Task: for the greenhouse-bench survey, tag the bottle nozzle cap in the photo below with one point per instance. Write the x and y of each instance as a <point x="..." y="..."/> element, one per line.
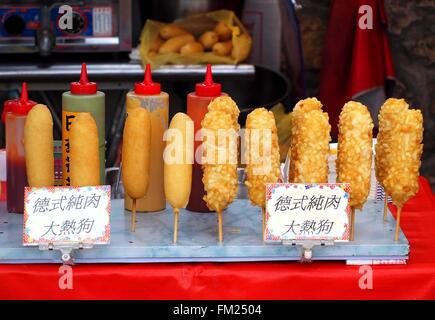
<point x="208" y="88"/>
<point x="83" y="86"/>
<point x="147" y="86"/>
<point x="20" y="106"/>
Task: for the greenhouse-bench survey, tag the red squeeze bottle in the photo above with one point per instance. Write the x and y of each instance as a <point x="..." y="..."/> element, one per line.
<point x="14" y="115"/>
<point x="197" y="103"/>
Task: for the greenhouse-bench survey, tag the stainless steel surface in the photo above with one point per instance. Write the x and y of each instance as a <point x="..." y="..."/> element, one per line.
<point x="57" y="76"/>
<point x="198" y="241"/>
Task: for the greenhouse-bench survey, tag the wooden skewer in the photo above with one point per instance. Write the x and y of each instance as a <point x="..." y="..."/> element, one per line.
<point x="399" y="211"/>
<point x="133" y="217"/>
<point x="352" y="224"/>
<point x="263" y="211"/>
<point x="176" y="213"/>
<point x="385" y="206"/>
<point x="221" y="237"/>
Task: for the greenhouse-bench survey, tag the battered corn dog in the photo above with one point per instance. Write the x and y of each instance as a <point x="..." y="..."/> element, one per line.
<point x="310" y="137"/>
<point x="263" y="165"/>
<point x="135" y="153"/>
<point x="388" y="116"/>
<point x="178" y="175"/>
<point x="262" y="156"/>
<point x="405" y="151"/>
<point x="354" y="157"/>
<point x="85" y="162"/>
<point x="220" y="179"/>
<point x="136" y="156"/>
<point x="38" y="146"/>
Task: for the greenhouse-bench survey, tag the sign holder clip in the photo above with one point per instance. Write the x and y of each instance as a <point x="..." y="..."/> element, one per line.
<point x="307" y="247"/>
<point x="66" y="249"/>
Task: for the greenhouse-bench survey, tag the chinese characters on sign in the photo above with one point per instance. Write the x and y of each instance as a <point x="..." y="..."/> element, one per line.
<point x="61" y="214"/>
<point x="307" y="211"/>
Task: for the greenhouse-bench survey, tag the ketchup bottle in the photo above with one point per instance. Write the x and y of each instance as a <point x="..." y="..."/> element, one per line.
<point x="197" y="103"/>
<point x="14" y="115"/>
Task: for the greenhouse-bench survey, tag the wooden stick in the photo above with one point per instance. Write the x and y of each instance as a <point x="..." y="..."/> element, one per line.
<point x="221" y="237"/>
<point x="352" y="224"/>
<point x="385" y="206"/>
<point x="399" y="211"/>
<point x="263" y="211"/>
<point x="176" y="212"/>
<point x="133" y="217"/>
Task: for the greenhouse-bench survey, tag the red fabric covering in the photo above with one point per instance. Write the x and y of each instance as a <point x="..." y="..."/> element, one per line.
<point x="274" y="280"/>
<point x="355" y="60"/>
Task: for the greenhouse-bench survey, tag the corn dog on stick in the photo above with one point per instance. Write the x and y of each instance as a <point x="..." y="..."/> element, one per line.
<point x="354" y="156"/>
<point x="406" y="148"/>
<point x="390" y="110"/>
<point x="262" y="156"/>
<point x="178" y="170"/>
<point x="38" y="146"/>
<point x="310" y="137"/>
<point x="136" y="156"/>
<point x="85" y="160"/>
<point x="220" y="150"/>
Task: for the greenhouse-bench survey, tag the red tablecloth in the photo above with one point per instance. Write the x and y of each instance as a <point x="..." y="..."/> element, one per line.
<point x="274" y="280"/>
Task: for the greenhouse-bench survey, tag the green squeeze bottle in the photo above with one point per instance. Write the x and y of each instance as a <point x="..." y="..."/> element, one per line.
<point x="82" y="97"/>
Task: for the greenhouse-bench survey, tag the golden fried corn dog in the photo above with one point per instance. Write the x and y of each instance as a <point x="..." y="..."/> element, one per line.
<point x="354" y="156"/>
<point x="220" y="177"/>
<point x="136" y="156"/>
<point x="85" y="162"/>
<point x="38" y="146"/>
<point x="178" y="171"/>
<point x="406" y="147"/>
<point x="262" y="156"/>
<point x="310" y="137"/>
<point x="388" y="117"/>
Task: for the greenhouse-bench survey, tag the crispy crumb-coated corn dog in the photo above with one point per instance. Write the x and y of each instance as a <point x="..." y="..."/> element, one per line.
<point x="354" y="156"/>
<point x="310" y="137"/>
<point x="136" y="153"/>
<point x="38" y="146"/>
<point x="262" y="154"/>
<point x="389" y="115"/>
<point x="85" y="161"/>
<point x="405" y="150"/>
<point x="178" y="172"/>
<point x="220" y="179"/>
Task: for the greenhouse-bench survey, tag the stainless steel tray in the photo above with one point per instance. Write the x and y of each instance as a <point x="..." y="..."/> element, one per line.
<point x="198" y="242"/>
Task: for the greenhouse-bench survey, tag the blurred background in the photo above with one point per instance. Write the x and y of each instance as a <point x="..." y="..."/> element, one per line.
<point x="299" y="48"/>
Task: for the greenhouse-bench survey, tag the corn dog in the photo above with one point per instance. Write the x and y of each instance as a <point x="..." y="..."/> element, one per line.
<point x="310" y="137"/>
<point x="38" y="146"/>
<point x="405" y="150"/>
<point x="220" y="177"/>
<point x="178" y="173"/>
<point x="222" y="48"/>
<point x="85" y="162"/>
<point x="354" y="157"/>
<point x="262" y="154"/>
<point x="170" y="31"/>
<point x="135" y="153"/>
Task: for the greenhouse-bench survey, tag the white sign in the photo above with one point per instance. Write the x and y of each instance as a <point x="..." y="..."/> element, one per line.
<point x="66" y="214"/>
<point x="307" y="212"/>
